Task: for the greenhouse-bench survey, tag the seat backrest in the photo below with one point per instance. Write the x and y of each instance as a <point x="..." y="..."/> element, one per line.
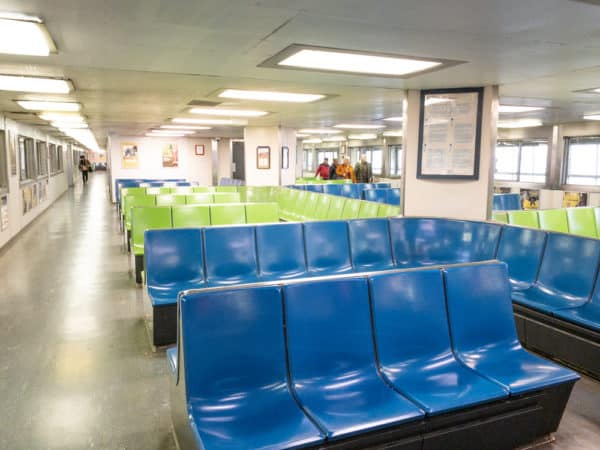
<point x="202" y="189"/>
<point x="310" y="205"/>
<point x="597" y="217"/>
<point x="351" y="190"/>
<point x="393" y="196"/>
<point x="232" y="341"/>
<point x="315" y="188"/>
<point x="388" y="211"/>
<point x="428" y="241"/>
<point x="226" y="197"/>
<point x="227" y="214"/>
<point x="158" y="191"/>
<point x="199" y="198"/>
<point x="370" y="244"/>
<point x="147" y="218"/>
<point x="351" y="209"/>
<point x="182" y="190"/>
<point x="170" y="200"/>
<point x="328" y="329"/>
<point x="173" y="256"/>
<point x="524" y="218"/>
<point x="131" y="202"/>
<point x="322" y="209"/>
<point x="280" y="250"/>
<point x="553" y="220"/>
<point x="191" y="216"/>
<point x="522" y="250"/>
<point x="326" y="247"/>
<point x="369" y="195"/>
<point x="336" y="207"/>
<point x="500" y="216"/>
<point x="569" y="265"/>
<point x="332" y="189"/>
<point x="230" y="255"/>
<point x="368" y="209"/>
<point x="479" y="307"/>
<point x="299" y="202"/>
<point x="379" y="195"/>
<point x="581" y="221"/>
<point x="131" y="192"/>
<point x="409" y="317"/>
<point x="226" y="189"/>
<point x="262" y="212"/>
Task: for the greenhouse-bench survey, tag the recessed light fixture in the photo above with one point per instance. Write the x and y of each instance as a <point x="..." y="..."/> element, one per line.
<point x="309" y="57"/>
<point x="517" y="109"/>
<point x="84" y="137"/>
<point x="69" y="125"/>
<point x="270" y="96"/>
<point x="62" y="117"/>
<point x="165" y="135"/>
<point x="171" y="132"/>
<point x="40" y="85"/>
<point x="319" y="131"/>
<point x="523" y="123"/>
<point x="228" y="112"/>
<point x="42" y="105"/>
<point x="24" y="35"/>
<point x="359" y="126"/>
<point x="394" y="119"/>
<point x="362" y="136"/>
<point x="312" y="141"/>
<point x="302" y="135"/>
<point x="208" y="121"/>
<point x="184" y="127"/>
<point x="393" y="133"/>
<point x="592" y="117"/>
<point x="334" y="139"/>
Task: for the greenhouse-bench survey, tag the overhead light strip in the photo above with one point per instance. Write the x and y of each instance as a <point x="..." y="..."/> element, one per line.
<point x="228" y="112"/>
<point x="270" y="96"/>
<point x="43" y="105"/>
<point x="40" y="85"/>
<point x="24" y="35"/>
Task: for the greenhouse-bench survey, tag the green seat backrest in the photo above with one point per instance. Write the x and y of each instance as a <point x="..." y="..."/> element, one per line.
<point x="597" y="217"/>
<point x="255" y="194"/>
<point x="226" y="197"/>
<point x="309" y="207"/>
<point x="199" y="199"/>
<point x="226" y="189"/>
<point x="368" y="210"/>
<point x="262" y="212"/>
<point x="132" y="192"/>
<point x="201" y="189"/>
<point x="553" y="220"/>
<point x="182" y="190"/>
<point x="299" y="202"/>
<point x="132" y="201"/>
<point x="500" y="216"/>
<point x="336" y="207"/>
<point x="170" y="200"/>
<point x="351" y="209"/>
<point x="287" y="199"/>
<point x="147" y="218"/>
<point x="227" y="214"/>
<point x="339" y="181"/>
<point x="322" y="208"/>
<point x="191" y="216"/>
<point x="158" y="190"/>
<point x="526" y="218"/>
<point x="582" y="221"/>
<point x="393" y="211"/>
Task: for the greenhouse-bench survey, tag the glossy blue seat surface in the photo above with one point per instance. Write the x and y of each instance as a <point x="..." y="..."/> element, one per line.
<point x="314" y="188"/>
<point x="506" y="202"/>
<point x="173" y="263"/>
<point x="567" y="274"/>
<point x="378" y="195"/>
<point x="332" y="189"/>
<point x="172" y="359"/>
<point x="420" y="242"/>
<point x="393" y="196"/>
<point x="327" y="248"/>
<point x="413" y="343"/>
<point x="332" y="360"/>
<point x="483" y="330"/>
<point x="280" y="251"/>
<point x="588" y="315"/>
<point x="230" y="254"/>
<point x="370" y="244"/>
<point x="522" y="250"/>
<point x="235" y="372"/>
<point x="350" y="190"/>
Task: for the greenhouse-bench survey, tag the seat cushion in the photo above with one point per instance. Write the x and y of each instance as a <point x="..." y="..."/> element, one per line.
<point x="543" y="300"/>
<point x="166" y="294"/>
<point x="587" y="315"/>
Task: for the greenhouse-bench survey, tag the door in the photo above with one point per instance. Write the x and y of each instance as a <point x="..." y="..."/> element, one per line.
<point x="239" y="172"/>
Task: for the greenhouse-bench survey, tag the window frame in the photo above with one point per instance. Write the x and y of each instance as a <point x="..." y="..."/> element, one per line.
<point x="565" y="165"/>
<point x="398" y="150"/>
<point x="4" y="164"/>
<point x="520" y="143"/>
<point x="28" y="171"/>
<point x="41" y="154"/>
<point x="357" y="151"/>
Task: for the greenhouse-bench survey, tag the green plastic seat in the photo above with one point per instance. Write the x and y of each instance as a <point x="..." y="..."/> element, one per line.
<point x="287" y="200"/>
<point x="226" y="189"/>
<point x="336" y="207"/>
<point x="308" y="208"/>
<point x="386" y="210"/>
<point x="582" y="221"/>
<point x="199" y="199"/>
<point x="500" y="216"/>
<point x="553" y="220"/>
<point x="182" y="190"/>
<point x="226" y="197"/>
<point x="147" y="218"/>
<point x="597" y="217"/>
<point x="133" y="192"/>
<point x="526" y="218"/>
<point x="158" y="190"/>
<point x="170" y="200"/>
<point x="262" y="212"/>
<point x="322" y="209"/>
<point x="132" y="201"/>
<point x="351" y="209"/>
<point x="227" y="214"/>
<point x="298" y="205"/>
<point x="255" y="194"/>
<point x="191" y="216"/>
<point x="368" y="210"/>
<point x="201" y="189"/>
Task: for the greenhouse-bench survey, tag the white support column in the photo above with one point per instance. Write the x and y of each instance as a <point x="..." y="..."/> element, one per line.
<point x="275" y="138"/>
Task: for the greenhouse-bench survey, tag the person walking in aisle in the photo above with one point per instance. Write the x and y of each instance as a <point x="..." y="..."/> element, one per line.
<point x="363" y="171"/>
<point x="84" y="167"/>
<point x="323" y="170"/>
<point x="333" y="170"/>
<point x="345" y="170"/>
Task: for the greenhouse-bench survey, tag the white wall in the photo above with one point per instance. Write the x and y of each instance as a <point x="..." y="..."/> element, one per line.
<point x="225" y="158"/>
<point x="275" y="138"/>
<point x="191" y="167"/>
<point x="288" y="139"/>
<point x="57" y="184"/>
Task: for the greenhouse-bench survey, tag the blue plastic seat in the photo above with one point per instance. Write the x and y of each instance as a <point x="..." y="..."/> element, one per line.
<point x="370" y="245"/>
<point x="393" y="196"/>
<point x="484" y="334"/>
<point x="173" y="263"/>
<point x="230" y="254"/>
<point x="235" y="372"/>
<point x="588" y="315"/>
<point x="332" y="362"/>
<point x="327" y="249"/>
<point x="315" y="188"/>
<point x="375" y="195"/>
<point x="172" y="359"/>
<point x="382" y="185"/>
<point x="522" y="250"/>
<point x="350" y="190"/>
<point x="280" y="251"/>
<point x="332" y="189"/>
<point x="420" y="242"/>
<point x="506" y="202"/>
<point x="413" y="343"/>
<point x="567" y="274"/>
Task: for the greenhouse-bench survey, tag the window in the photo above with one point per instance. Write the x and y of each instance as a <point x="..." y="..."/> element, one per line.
<point x="583" y="161"/>
<point x="27" y="158"/>
<point x="374" y="157"/>
<point x="521" y="161"/>
<point x="328" y="153"/>
<point x="396" y="160"/>
<point x="59" y="158"/>
<point x="308" y="159"/>
<point x="56" y="158"/>
<point x="42" y="158"/>
<point x="3" y="162"/>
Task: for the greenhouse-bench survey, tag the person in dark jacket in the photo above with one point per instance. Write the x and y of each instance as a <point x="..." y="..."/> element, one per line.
<point x="323" y="170"/>
<point x="363" y="171"/>
<point x="333" y="169"/>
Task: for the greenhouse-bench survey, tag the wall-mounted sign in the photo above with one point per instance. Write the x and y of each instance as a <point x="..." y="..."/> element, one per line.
<point x="285" y="157"/>
<point x="450" y="133"/>
<point x="574" y="199"/>
<point x="199" y="150"/>
<point x="170" y="156"/>
<point x="129" y="156"/>
<point x="263" y="157"/>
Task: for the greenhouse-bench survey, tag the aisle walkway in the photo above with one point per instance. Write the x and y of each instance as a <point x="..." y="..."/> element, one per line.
<point x="76" y="368"/>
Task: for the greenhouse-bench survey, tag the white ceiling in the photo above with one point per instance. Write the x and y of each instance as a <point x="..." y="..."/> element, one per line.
<point x="136" y="63"/>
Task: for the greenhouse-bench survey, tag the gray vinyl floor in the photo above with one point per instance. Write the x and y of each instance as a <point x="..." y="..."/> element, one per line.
<point x="76" y="367"/>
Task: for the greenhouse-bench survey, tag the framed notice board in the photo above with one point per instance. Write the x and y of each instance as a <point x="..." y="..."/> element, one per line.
<point x="450" y="134"/>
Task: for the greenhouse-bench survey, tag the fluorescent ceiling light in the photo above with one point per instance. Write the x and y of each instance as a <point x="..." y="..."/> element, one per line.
<point x="70" y="125"/>
<point x="359" y="126"/>
<point x="302" y="135"/>
<point x="517" y="109"/>
<point x="356" y="62"/>
<point x="319" y="131"/>
<point x="208" y="121"/>
<point x="312" y="141"/>
<point x="171" y="132"/>
<point x="41" y="105"/>
<point x="84" y="137"/>
<point x="228" y="112"/>
<point x="270" y="96"/>
<point x="184" y="127"/>
<point x="39" y="85"/>
<point x="165" y="135"/>
<point x="362" y="136"/>
<point x="393" y="133"/>
<point x="592" y="117"/>
<point x="24" y="35"/>
<point x="394" y="119"/>
<point x="335" y="139"/>
<point x="62" y="117"/>
<point x="524" y="123"/>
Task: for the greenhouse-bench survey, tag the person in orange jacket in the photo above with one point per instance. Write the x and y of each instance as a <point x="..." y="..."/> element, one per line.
<point x="345" y="171"/>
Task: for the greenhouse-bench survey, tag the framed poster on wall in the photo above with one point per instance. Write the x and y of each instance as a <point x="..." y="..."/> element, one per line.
<point x="199" y="150"/>
<point x="450" y="133"/>
<point x="263" y="157"/>
<point x="285" y="157"/>
<point x="129" y="155"/>
<point x="170" y="156"/>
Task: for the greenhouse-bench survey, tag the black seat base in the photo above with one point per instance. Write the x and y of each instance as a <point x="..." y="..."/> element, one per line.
<point x="562" y="341"/>
<point x="164" y="325"/>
